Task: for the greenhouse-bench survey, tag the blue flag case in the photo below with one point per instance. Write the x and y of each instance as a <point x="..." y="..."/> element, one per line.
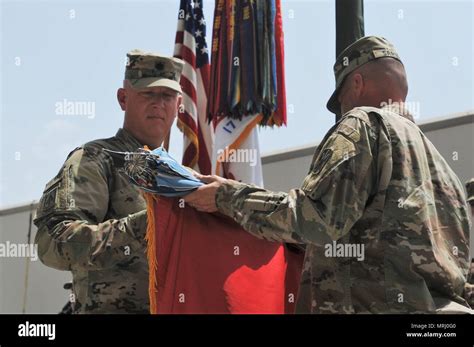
<point x="157" y="172"/>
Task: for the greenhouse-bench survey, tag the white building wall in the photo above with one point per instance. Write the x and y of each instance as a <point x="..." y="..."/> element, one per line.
<point x="43" y="290"/>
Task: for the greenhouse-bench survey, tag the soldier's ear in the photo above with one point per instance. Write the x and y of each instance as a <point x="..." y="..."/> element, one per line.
<point x="179" y="103"/>
<point x="358" y="84"/>
<point x="122" y="98"/>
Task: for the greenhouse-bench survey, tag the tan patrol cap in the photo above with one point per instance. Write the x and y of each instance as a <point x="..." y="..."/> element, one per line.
<point x="362" y="51"/>
<point x="146" y="70"/>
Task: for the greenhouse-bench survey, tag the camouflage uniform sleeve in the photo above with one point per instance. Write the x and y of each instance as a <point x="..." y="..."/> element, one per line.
<point x="331" y="199"/>
<point x="72" y="232"/>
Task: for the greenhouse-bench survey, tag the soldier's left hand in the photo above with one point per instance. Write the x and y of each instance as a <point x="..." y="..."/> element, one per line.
<point x="204" y="198"/>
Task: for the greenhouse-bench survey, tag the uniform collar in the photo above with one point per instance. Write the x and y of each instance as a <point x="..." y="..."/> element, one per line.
<point x="131" y="143"/>
<point x="400" y="109"/>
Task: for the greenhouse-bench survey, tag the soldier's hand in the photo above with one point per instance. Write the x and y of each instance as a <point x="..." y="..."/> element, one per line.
<point x="204" y="198"/>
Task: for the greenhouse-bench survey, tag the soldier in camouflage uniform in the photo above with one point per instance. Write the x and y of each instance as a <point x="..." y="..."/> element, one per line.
<point x="376" y="184"/>
<point x="470" y="200"/>
<point x="91" y="220"/>
<point x="470" y="194"/>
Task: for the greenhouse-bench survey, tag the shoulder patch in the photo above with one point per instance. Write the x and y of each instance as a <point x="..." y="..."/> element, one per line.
<point x="51" y="198"/>
<point x="346" y="129"/>
<point x="349" y="130"/>
<point x="361" y="113"/>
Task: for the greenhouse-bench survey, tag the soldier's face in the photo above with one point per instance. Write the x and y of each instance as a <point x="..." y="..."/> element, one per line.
<point x="149" y="112"/>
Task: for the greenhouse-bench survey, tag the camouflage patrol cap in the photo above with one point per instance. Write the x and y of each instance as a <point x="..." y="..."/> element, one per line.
<point x="470" y="190"/>
<point x="360" y="52"/>
<point x="146" y="69"/>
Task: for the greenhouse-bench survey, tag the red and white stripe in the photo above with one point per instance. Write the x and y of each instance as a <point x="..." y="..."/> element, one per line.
<point x="198" y="134"/>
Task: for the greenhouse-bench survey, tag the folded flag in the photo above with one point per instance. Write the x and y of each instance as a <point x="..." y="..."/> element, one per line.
<point x="201" y="262"/>
<point x="157" y="172"/>
<point x="207" y="263"/>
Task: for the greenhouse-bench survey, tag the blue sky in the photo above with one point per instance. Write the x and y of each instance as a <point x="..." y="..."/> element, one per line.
<point x="75" y="50"/>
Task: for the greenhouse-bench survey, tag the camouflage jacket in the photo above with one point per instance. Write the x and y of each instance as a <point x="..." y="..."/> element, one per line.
<point x="92" y="222"/>
<point x="383" y="217"/>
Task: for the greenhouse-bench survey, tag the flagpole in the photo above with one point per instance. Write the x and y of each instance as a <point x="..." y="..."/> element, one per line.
<point x="349" y="23"/>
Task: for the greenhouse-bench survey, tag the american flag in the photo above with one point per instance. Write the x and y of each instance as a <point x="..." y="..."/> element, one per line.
<point x="191" y="46"/>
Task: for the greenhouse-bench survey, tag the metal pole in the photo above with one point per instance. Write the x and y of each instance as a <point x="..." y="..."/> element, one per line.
<point x="349" y="24"/>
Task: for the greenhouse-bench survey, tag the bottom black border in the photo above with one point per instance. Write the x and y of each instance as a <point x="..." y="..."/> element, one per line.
<point x="322" y="330"/>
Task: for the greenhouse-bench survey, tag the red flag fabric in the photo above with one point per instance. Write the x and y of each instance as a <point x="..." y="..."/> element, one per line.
<point x="279" y="117"/>
<point x="206" y="263"/>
